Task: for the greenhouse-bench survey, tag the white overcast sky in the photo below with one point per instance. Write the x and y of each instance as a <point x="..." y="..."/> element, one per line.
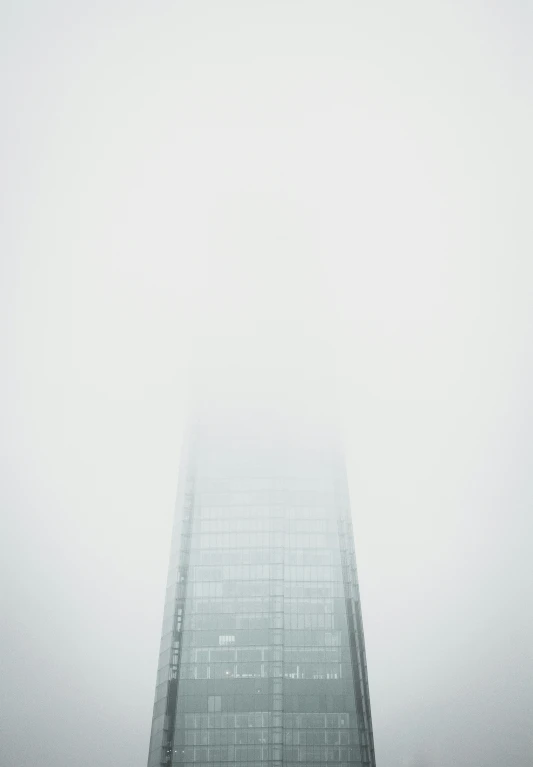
<point x="177" y="174"/>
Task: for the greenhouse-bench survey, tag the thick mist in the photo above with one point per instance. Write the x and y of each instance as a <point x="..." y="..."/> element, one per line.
<point x="210" y="196"/>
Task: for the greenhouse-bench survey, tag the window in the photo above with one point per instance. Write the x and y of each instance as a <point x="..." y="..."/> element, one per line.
<point x="214" y="703"/>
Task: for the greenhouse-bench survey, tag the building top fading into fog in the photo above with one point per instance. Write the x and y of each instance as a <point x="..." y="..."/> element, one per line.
<point x="262" y="653"/>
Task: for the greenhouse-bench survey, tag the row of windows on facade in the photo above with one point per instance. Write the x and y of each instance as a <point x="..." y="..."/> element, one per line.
<point x="252" y="702"/>
<point x="266" y="654"/>
<point x="288" y="605"/>
<point x="294" y="652"/>
<point x="237" y="540"/>
<point x="264" y="671"/>
<point x="259" y="524"/>
<point x="338" y="720"/>
<point x="205" y="622"/>
<point x="288" y="589"/>
<point x="255" y="736"/>
<point x="280" y="661"/>
<point x="253" y="511"/>
<point x="249" y="589"/>
<point x="246" y="637"/>
<point x="197" y="704"/>
<point x="177" y="762"/>
<point x="265" y="556"/>
<point x="298" y="754"/>
<point x="276" y="633"/>
<point x="244" y="592"/>
<point x="269" y="686"/>
<point x="258" y="572"/>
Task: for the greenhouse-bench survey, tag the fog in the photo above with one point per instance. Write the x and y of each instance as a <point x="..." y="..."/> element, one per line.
<point x="187" y="185"/>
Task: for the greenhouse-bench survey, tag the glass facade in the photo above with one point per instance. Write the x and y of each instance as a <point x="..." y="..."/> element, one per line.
<point x="262" y="657"/>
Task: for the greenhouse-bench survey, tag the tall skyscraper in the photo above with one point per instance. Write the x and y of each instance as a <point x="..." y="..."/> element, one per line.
<point x="262" y="657"/>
